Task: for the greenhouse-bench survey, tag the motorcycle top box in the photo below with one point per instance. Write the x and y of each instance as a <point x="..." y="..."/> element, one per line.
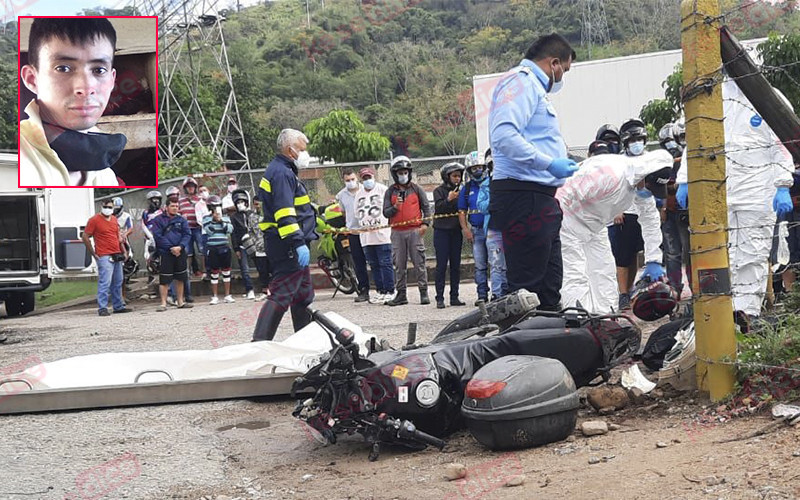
<point x="520" y="402"/>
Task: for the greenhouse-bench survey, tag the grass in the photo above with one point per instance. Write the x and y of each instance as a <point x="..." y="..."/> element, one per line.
<point x="62" y="291"/>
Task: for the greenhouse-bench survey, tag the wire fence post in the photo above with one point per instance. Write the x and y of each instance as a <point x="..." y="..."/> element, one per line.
<point x="708" y="217"/>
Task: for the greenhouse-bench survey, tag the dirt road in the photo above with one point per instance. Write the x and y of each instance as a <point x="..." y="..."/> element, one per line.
<point x="256" y="450"/>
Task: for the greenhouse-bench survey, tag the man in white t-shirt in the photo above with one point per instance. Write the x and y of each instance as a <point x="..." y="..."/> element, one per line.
<point x="375" y="235"/>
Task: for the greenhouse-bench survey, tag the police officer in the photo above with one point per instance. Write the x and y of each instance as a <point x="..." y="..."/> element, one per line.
<point x="530" y="163"/>
<point x="288" y="224"/>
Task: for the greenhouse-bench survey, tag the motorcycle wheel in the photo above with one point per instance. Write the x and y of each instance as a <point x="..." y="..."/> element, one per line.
<point x="348" y="283"/>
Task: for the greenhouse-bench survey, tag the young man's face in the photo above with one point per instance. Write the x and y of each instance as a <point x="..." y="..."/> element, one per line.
<point x="73" y="83"/>
<point x="350" y="178"/>
<point x="173" y="208"/>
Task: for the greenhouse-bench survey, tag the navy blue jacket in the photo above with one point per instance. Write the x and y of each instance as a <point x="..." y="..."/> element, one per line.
<point x="287" y="208"/>
<point x="170" y="232"/>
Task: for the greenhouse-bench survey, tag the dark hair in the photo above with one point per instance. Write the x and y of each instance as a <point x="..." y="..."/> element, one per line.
<point x="348" y="171"/>
<point x="552" y="45"/>
<point x="170" y="201"/>
<point x="76" y="30"/>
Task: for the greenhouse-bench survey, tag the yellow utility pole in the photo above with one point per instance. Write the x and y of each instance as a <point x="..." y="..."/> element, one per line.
<point x="715" y="340"/>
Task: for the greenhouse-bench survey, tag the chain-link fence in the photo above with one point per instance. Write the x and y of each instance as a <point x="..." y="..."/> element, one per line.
<point x="322" y="182"/>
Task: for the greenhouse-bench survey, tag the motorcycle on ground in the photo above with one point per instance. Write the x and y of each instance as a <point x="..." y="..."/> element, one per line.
<point x="413" y="397"/>
<point x="335" y="259"/>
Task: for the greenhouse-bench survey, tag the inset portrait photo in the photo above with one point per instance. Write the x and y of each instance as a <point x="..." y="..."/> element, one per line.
<point x="88" y="91"/>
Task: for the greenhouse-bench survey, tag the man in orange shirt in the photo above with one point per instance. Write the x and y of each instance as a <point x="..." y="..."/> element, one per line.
<point x="107" y="252"/>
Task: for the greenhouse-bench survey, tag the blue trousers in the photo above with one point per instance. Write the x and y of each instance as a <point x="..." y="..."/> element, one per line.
<point x="360" y="261"/>
<point x="109" y="280"/>
<point x="380" y="260"/>
<point x="481" y="255"/>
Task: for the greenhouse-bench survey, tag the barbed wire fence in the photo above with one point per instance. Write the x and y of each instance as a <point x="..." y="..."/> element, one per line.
<point x="705" y="84"/>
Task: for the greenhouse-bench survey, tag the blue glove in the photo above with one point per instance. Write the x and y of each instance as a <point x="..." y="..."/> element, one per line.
<point x="303" y="255"/>
<point x="653" y="270"/>
<point x="782" y="203"/>
<point x="682" y="196"/>
<point x="562" y="168"/>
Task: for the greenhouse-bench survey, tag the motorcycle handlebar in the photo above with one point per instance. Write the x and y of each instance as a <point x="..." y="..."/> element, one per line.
<point x="423" y="437"/>
<point x="344" y="336"/>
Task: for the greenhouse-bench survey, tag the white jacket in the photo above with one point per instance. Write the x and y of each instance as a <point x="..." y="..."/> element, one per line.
<point x="604" y="187"/>
<point x="39" y="165"/>
<point x="757" y="163"/>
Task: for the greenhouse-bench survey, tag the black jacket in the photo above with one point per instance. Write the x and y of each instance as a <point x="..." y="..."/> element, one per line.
<point x="444" y="207"/>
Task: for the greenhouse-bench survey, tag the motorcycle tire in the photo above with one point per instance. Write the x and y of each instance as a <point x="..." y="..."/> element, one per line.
<point x="348" y="283"/>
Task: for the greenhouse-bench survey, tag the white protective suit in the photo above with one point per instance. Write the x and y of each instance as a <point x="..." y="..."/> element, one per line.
<point x="603" y="187"/>
<point x="757" y="164"/>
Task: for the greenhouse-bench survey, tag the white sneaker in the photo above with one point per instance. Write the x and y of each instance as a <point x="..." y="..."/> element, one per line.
<point x="389" y="296"/>
<point x="261" y="297"/>
<point x="229" y="299"/>
<point x="171" y="302"/>
<point x="214" y="300"/>
<point x="251" y="295"/>
<point x="376" y="298"/>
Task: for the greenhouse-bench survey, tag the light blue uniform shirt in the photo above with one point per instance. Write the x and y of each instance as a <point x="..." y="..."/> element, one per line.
<point x="523" y="128"/>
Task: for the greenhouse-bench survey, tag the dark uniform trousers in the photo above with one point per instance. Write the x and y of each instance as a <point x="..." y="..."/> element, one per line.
<point x="529" y="216"/>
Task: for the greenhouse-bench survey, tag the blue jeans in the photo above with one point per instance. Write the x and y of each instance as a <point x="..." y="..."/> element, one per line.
<point x="481" y="256"/>
<point x="360" y="263"/>
<point x="497" y="262"/>
<point x="187" y="289"/>
<point x="245" y="268"/>
<point x="109" y="278"/>
<point x="380" y="261"/>
<point x="196" y="238"/>
<point x="676" y="247"/>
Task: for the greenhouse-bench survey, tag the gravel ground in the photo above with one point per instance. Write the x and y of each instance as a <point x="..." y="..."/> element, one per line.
<point x="254" y="449"/>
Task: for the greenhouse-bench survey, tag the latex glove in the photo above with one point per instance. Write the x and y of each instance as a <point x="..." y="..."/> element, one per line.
<point x="653" y="270"/>
<point x="303" y="255"/>
<point x="782" y="203"/>
<point x="561" y="168"/>
<point x="682" y="196"/>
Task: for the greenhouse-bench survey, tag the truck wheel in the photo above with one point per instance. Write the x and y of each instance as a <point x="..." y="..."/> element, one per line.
<point x="19" y="303"/>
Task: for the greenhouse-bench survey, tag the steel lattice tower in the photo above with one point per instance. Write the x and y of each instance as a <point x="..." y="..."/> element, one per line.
<point x="190" y="39"/>
<point x="594" y="27"/>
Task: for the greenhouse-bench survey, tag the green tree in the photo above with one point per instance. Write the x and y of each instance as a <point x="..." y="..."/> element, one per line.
<point x="198" y="160"/>
<point x="777" y="52"/>
<point x="8" y="93"/>
<point x="658" y="112"/>
<point x="342" y="136"/>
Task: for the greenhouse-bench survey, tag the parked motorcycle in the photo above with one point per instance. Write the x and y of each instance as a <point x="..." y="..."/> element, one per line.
<point x="413" y="397"/>
<point x="334" y="246"/>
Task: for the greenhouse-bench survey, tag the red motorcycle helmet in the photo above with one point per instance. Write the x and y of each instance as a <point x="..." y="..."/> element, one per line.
<point x="652" y="300"/>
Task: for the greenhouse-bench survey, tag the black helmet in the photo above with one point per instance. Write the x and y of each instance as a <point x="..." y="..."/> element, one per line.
<point x="632" y="129"/>
<point x="598" y="148"/>
<point x="240" y="195"/>
<point x="449" y="168"/>
<point x="399" y="163"/>
<point x="130" y="267"/>
<point x="608" y="133"/>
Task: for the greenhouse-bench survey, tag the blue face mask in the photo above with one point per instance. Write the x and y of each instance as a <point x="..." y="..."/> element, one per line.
<point x="369" y="184"/>
<point x="636" y="148"/>
<point x="643" y="193"/>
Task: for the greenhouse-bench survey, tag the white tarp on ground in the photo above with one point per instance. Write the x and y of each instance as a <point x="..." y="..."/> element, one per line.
<point x="296" y="354"/>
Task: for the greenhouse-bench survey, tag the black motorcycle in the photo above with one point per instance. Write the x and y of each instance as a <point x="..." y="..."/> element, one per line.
<point x="412" y="397"/>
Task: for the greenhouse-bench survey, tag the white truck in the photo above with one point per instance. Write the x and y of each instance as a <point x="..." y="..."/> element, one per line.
<point x="40" y="231"/>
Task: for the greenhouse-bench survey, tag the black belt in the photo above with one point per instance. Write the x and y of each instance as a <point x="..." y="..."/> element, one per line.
<point x="517" y="185"/>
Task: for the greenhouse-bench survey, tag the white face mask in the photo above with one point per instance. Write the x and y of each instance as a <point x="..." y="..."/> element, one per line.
<point x="303" y="159"/>
<point x="232" y="188"/>
<point x="241" y="207"/>
<point x="402" y="179"/>
<point x="557" y="85"/>
<point x="351" y="185"/>
<point x="204" y="195"/>
<point x="106" y="211"/>
<point x="369" y="184"/>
